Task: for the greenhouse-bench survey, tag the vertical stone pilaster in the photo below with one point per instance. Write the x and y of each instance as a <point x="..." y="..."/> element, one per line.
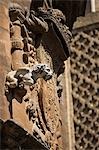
<point x="66" y="107"/>
<point x="17" y="46"/>
<point x="4" y="55"/>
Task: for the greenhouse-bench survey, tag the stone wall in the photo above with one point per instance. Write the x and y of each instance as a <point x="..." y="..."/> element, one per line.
<point x="34" y="80"/>
<point x="23" y="3"/>
<point x="5" y="59"/>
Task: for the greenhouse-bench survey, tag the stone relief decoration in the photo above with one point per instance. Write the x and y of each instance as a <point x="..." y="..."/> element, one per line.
<point x="28" y="76"/>
<point x="57" y="20"/>
<point x="33" y="78"/>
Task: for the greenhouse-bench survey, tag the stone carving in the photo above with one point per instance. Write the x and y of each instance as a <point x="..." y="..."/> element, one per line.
<point x="24" y="78"/>
<point x="26" y="31"/>
<point x="59" y="86"/>
<point x="28" y="76"/>
<point x="34" y="24"/>
<point x="57" y="20"/>
<point x="24" y="82"/>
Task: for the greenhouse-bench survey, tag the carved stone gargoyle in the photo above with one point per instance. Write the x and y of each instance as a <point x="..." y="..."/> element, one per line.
<point x="27" y="76"/>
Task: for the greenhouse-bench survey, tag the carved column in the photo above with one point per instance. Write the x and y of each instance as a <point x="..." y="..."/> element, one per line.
<point x="4" y="56"/>
<point x="17" y="46"/>
<point x="67" y="110"/>
<point x="16" y="105"/>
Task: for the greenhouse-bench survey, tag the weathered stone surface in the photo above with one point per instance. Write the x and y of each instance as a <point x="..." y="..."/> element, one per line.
<point x="91" y="19"/>
<point x="23" y="3"/>
<point x="5" y="59"/>
<point x="17" y="46"/>
<point x="35" y="106"/>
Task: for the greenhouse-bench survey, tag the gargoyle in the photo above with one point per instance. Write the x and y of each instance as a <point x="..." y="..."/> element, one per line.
<point x="57" y="20"/>
<point x="28" y="76"/>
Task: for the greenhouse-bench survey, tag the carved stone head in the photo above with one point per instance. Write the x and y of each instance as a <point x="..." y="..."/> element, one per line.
<point x="42" y="71"/>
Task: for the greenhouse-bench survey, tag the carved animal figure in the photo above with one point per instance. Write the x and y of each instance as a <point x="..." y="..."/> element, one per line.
<point x="57" y="19"/>
<point x="28" y="76"/>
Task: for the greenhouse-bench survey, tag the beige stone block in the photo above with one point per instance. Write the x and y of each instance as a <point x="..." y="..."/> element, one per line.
<point x="4" y="112"/>
<point x="4" y="68"/>
<point x="4" y="2"/>
<point x="5" y="54"/>
<point x="19" y="115"/>
<point x="4" y="21"/>
<point x="17" y="59"/>
<point x="4" y="37"/>
<point x="3" y="8"/>
<point x="23" y="3"/>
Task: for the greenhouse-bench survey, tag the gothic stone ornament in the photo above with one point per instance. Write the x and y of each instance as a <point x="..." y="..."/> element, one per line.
<point x="23" y="78"/>
<point x="57" y="20"/>
<point x="33" y="23"/>
<point x="28" y="76"/>
<point x="26" y="31"/>
<point x="40" y="96"/>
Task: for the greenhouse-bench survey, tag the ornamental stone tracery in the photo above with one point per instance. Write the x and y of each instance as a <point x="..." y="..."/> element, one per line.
<point x="85" y="88"/>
